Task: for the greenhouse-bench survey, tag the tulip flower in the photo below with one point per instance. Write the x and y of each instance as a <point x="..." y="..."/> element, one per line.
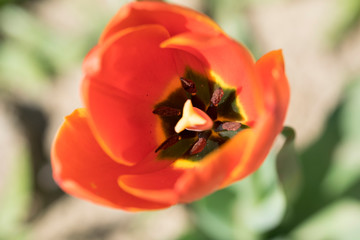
<point x="174" y="109"/>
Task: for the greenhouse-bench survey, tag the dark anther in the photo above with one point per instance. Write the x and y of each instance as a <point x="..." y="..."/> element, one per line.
<point x="198" y="146"/>
<point x="227" y="126"/>
<point x="167" y="111"/>
<point x="188" y="85"/>
<point x="214" y="102"/>
<point x="168" y="142"/>
<point x="216" y="96"/>
<point x="200" y="143"/>
<point x="231" y="126"/>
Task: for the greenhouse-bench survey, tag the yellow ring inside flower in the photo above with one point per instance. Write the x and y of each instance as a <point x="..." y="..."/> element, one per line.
<point x="218" y="79"/>
<point x="174" y="145"/>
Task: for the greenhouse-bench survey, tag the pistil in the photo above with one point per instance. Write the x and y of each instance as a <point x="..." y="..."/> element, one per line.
<point x="193" y="119"/>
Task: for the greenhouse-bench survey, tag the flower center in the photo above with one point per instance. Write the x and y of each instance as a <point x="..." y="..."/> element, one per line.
<point x="193" y="119"/>
<point x="197" y="118"/>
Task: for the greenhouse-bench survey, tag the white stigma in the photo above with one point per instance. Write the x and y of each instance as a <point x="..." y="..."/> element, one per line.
<point x="193" y="119"/>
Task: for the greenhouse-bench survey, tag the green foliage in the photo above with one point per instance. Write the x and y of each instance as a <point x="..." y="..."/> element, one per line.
<point x="6" y="2"/>
<point x="33" y="54"/>
<point x="230" y="15"/>
<point x="345" y="170"/>
<point x="348" y="19"/>
<point x="287" y="165"/>
<point x="339" y="221"/>
<point x="214" y="216"/>
<point x="329" y="176"/>
<point x="15" y="200"/>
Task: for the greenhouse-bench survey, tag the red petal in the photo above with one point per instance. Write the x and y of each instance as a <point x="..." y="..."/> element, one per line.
<point x="134" y="74"/>
<point x="257" y="148"/>
<point x="276" y="94"/>
<point x="227" y="61"/>
<point x="156" y="186"/>
<point x="82" y="168"/>
<point x="244" y="153"/>
<point x="212" y="171"/>
<point x="271" y="70"/>
<point x="174" y="18"/>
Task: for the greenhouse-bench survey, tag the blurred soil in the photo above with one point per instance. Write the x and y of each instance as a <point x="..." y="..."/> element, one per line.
<point x="316" y="72"/>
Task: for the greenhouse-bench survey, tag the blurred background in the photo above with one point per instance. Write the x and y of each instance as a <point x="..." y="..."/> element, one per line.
<point x="313" y="193"/>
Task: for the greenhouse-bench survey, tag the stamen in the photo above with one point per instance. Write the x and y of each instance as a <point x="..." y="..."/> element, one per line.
<point x="217" y="96"/>
<point x="200" y="143"/>
<point x="198" y="146"/>
<point x="231" y="126"/>
<point x="227" y="126"/>
<point x="193" y="119"/>
<point x="196" y="130"/>
<point x="214" y="102"/>
<point x="167" y="111"/>
<point x="169" y="142"/>
<point x="188" y="85"/>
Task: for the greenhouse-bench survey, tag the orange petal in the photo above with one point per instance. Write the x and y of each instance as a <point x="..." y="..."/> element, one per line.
<point x="174" y="18"/>
<point x="245" y="152"/>
<point x="211" y="172"/>
<point x="228" y="62"/>
<point x="271" y="71"/>
<point x="82" y="168"/>
<point x="133" y="74"/>
<point x="155" y="186"/>
<point x="276" y="94"/>
<point x="257" y="148"/>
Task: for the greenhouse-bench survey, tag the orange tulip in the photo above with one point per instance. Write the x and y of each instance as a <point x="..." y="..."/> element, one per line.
<point x="174" y="110"/>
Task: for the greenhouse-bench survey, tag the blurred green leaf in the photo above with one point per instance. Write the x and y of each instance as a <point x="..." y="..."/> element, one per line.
<point x="214" y="214"/>
<point x="315" y="162"/>
<point x="231" y="16"/>
<point x="339" y="221"/>
<point x="193" y="234"/>
<point x="346" y="20"/>
<point x="287" y="165"/>
<point x="32" y="53"/>
<point x="346" y="168"/>
<point x="350" y="115"/>
<point x="245" y="209"/>
<point x="19" y="70"/>
<point x="331" y="173"/>
<point x="260" y="203"/>
<point x="5" y="2"/>
<point x="28" y="34"/>
<point x="15" y="200"/>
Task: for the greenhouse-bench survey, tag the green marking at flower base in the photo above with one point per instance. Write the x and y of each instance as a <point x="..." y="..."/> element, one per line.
<point x="226" y="110"/>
